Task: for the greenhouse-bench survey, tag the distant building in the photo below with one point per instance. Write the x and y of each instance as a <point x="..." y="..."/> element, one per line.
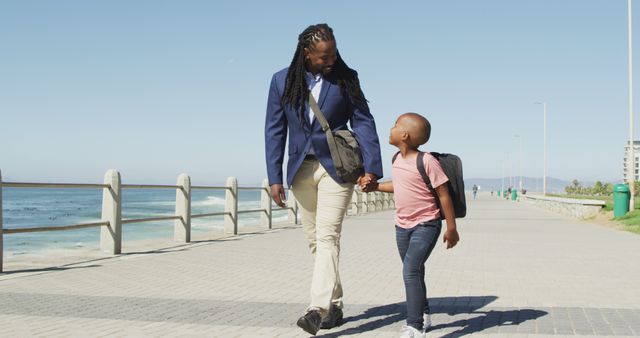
<point x="636" y="153"/>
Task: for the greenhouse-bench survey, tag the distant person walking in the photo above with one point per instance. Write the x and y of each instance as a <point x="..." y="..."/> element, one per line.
<point x="475" y="191"/>
<point x="318" y="69"/>
<point x="418" y="223"/>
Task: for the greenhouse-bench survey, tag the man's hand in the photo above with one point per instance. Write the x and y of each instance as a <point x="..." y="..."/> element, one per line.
<point x="368" y="182"/>
<point x="451" y="237"/>
<point x="363" y="182"/>
<point x="278" y="195"/>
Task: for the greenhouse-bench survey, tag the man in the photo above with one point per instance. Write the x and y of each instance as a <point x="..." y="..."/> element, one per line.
<point x="317" y="68"/>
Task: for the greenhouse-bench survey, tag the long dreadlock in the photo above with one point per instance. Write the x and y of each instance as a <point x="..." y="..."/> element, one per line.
<point x="296" y="89"/>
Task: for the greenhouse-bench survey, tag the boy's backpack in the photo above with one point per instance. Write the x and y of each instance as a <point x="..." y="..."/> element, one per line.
<point x="452" y="167"/>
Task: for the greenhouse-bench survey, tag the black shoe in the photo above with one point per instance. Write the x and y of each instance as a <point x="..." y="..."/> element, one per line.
<point x="310" y="322"/>
<point x="333" y="319"/>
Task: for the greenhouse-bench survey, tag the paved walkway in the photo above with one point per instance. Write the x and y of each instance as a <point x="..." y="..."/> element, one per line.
<point x="518" y="271"/>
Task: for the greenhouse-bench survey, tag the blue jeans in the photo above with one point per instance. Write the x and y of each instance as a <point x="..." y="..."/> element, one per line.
<point x="415" y="246"/>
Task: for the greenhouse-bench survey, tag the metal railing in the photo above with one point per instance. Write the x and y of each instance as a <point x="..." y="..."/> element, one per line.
<point x="112" y="221"/>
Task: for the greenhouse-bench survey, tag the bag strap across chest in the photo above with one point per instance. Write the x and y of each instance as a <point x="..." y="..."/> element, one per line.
<point x="333" y="149"/>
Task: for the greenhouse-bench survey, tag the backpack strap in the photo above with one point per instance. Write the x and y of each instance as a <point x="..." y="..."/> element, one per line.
<point x="394" y="157"/>
<point x="427" y="181"/>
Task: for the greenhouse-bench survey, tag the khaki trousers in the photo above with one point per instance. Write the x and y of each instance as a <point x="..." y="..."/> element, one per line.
<point x="323" y="203"/>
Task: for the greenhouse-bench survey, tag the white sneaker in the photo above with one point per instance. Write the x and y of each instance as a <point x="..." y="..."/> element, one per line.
<point x="426" y="318"/>
<point x="410" y="332"/>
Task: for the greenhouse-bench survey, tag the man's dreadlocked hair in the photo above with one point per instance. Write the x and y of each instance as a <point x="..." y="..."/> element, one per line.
<point x="296" y="89"/>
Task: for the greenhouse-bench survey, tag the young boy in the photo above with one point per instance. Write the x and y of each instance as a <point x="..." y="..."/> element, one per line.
<point x="417" y="217"/>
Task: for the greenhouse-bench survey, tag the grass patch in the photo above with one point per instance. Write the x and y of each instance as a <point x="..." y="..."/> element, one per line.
<point x="631" y="221"/>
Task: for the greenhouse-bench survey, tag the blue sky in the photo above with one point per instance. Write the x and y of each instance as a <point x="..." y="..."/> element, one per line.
<point x="157" y="88"/>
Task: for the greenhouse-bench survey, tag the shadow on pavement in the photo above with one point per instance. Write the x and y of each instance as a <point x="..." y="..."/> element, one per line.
<point x="48" y="269"/>
<point x="488" y="319"/>
<point x="76" y="263"/>
<point x="379" y="317"/>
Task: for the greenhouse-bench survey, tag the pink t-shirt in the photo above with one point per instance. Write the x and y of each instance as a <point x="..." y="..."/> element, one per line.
<point x="414" y="201"/>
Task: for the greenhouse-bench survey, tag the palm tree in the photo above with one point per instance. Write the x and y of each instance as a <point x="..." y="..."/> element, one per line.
<point x="598" y="189"/>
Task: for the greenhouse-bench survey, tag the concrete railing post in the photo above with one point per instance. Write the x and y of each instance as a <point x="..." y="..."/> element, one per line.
<point x="364" y="203"/>
<point x="385" y="201"/>
<point x="231" y="207"/>
<point x="372" y="201"/>
<point x="354" y="203"/>
<point x="111" y="235"/>
<point x="1" y="231"/>
<point x="376" y="201"/>
<point x="292" y="203"/>
<point x="182" y="226"/>
<point x="266" y="217"/>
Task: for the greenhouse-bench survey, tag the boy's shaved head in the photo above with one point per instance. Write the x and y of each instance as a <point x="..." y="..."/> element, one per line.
<point x="417" y="126"/>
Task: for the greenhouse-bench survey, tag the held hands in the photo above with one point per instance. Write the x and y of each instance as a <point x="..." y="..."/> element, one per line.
<point x="451" y="237"/>
<point x="278" y="195"/>
<point x="368" y="182"/>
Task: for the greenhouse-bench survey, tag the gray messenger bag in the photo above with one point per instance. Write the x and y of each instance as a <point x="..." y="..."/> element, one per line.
<point x="345" y="150"/>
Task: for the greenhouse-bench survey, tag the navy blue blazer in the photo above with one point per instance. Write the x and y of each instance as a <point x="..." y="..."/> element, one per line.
<point x="338" y="109"/>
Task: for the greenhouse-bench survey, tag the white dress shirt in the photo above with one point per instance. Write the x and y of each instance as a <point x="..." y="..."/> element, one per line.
<point x="315" y="84"/>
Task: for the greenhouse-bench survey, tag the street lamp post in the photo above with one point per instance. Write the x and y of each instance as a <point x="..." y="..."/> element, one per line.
<point x="502" y="186"/>
<point x="520" y="162"/>
<point x="544" y="140"/>
<point x="631" y="162"/>
<point x="510" y="170"/>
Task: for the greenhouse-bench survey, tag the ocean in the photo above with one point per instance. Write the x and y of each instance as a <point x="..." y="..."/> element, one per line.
<point x="36" y="207"/>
